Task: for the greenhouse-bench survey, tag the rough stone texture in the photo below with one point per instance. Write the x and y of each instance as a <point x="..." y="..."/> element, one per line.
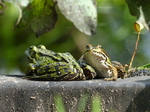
<point x="124" y="95"/>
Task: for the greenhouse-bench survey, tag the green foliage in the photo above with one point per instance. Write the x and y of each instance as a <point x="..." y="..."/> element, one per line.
<point x="82" y="103"/>
<point x="114" y="32"/>
<point x="96" y="104"/>
<point x="144" y="66"/>
<point x="59" y="104"/>
<point x="144" y="5"/>
<point x="40" y="15"/>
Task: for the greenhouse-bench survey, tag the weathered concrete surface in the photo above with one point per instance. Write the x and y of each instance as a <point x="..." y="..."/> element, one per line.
<point x="125" y="95"/>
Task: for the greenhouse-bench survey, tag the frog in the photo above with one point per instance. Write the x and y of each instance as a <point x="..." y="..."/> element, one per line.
<point x="46" y="64"/>
<point x="98" y="59"/>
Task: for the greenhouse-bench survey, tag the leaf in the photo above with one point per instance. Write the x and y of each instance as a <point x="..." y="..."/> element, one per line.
<point x="82" y="13"/>
<point x="19" y="5"/>
<point x="140" y="9"/>
<point x="40" y="15"/>
<point x="2" y="7"/>
<point x="144" y="66"/>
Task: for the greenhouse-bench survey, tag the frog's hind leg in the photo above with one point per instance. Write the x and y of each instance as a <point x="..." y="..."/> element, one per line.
<point x="73" y="77"/>
<point x="114" y="75"/>
<point x="88" y="71"/>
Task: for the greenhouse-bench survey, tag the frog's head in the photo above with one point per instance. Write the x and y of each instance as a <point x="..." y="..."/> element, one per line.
<point x="95" y="53"/>
<point x="33" y="52"/>
<point x="98" y="49"/>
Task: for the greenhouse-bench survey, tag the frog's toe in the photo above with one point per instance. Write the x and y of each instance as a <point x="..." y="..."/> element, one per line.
<point x="110" y="79"/>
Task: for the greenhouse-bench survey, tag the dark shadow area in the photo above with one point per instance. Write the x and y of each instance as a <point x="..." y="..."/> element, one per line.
<point x="141" y="102"/>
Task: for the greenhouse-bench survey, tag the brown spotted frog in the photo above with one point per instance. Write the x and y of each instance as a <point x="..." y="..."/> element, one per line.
<point x="100" y="61"/>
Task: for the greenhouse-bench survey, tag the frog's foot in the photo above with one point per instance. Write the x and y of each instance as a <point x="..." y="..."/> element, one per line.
<point x="125" y="75"/>
<point x="110" y="79"/>
<point x="72" y="77"/>
<point x="114" y="74"/>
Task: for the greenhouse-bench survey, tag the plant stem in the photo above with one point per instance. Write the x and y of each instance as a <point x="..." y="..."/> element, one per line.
<point x="135" y="49"/>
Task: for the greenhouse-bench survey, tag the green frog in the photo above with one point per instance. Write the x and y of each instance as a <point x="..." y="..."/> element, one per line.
<point x="48" y="65"/>
<point x="100" y="61"/>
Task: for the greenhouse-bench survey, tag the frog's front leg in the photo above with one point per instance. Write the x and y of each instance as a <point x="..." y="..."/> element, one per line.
<point x="87" y="69"/>
<point x="31" y="70"/>
<point x="114" y="75"/>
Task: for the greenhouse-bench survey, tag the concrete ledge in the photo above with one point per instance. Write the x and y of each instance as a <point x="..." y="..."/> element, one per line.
<point x="125" y="95"/>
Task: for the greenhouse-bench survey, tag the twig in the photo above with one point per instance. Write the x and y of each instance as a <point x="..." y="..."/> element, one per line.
<point x="135" y="49"/>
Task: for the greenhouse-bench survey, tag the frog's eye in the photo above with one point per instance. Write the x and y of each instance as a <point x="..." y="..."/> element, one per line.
<point x="41" y="47"/>
<point x="89" y="46"/>
<point x="99" y="46"/>
<point x="32" y="48"/>
<point x="32" y="51"/>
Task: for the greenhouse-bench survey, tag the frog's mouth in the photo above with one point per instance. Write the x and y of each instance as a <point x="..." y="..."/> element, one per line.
<point x="27" y="55"/>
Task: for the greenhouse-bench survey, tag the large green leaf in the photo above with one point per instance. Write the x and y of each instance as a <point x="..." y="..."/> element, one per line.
<point x="40" y="15"/>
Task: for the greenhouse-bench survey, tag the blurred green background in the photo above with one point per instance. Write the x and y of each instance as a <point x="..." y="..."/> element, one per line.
<point x="115" y="33"/>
